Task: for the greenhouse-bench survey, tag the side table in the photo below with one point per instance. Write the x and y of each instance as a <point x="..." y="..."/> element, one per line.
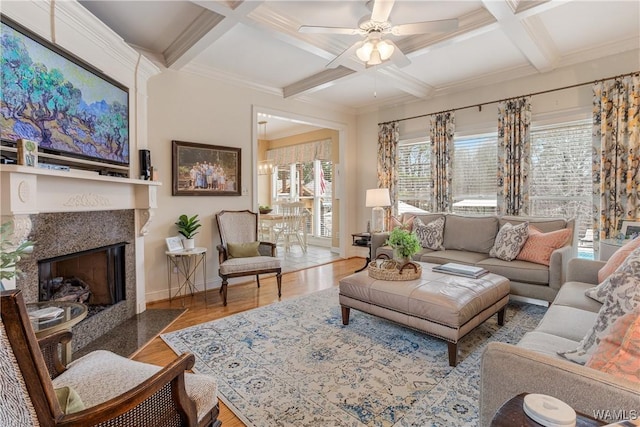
<point x="72" y="314"/>
<point x="511" y="414"/>
<point x="185" y="263"/>
<point x="362" y="240"/>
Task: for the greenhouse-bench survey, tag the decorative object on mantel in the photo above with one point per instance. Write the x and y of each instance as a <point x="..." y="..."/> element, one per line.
<point x="188" y="228"/>
<point x="10" y="253"/>
<point x="27" y="152"/>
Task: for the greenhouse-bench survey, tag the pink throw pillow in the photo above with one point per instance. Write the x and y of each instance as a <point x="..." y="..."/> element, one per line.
<point x="619" y="352"/>
<point x="539" y="245"/>
<point x="617" y="258"/>
<point x="406" y="225"/>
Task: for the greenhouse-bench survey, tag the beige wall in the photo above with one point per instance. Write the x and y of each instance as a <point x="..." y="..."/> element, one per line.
<point x="192" y="108"/>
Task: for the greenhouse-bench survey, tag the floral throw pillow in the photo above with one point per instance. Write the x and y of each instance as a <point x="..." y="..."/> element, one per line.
<point x="431" y="235"/>
<point x="617" y="259"/>
<point x="631" y="264"/>
<point x="509" y="241"/>
<point x="623" y="298"/>
<point x="618" y="353"/>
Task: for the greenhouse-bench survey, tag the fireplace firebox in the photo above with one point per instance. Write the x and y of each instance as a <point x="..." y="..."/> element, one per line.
<point x="95" y="277"/>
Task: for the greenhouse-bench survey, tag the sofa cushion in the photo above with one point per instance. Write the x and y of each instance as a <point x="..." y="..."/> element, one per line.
<point x="623" y="298"/>
<point x="631" y="264"/>
<point x="619" y="352"/>
<point x="509" y="241"/>
<point x="543" y="224"/>
<point x="547" y="344"/>
<point x="475" y="234"/>
<point x="539" y="246"/>
<point x="461" y="257"/>
<point x="431" y="234"/>
<point x="567" y="322"/>
<point x="571" y="294"/>
<point x="617" y="259"/>
<point x="520" y="271"/>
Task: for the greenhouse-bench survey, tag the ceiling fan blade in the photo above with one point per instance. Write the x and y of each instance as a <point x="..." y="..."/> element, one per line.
<point x="381" y="10"/>
<point x="345" y="55"/>
<point x="398" y="58"/>
<point x="425" y="27"/>
<point x="310" y="29"/>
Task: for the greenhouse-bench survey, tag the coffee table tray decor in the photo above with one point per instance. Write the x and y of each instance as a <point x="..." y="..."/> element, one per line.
<point x="388" y="269"/>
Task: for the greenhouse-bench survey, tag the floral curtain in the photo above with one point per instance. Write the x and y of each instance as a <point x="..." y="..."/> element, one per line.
<point x="388" y="137"/>
<point x="616" y="154"/>
<point x="442" y="128"/>
<point x="514" y="156"/>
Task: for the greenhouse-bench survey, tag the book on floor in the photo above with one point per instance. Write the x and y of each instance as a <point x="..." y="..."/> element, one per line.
<point x="461" y="270"/>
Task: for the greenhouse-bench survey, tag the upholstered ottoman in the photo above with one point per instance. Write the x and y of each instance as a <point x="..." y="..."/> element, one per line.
<point x="441" y="305"/>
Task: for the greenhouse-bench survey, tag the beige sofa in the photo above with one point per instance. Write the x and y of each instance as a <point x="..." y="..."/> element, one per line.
<point x="533" y="365"/>
<point x="468" y="240"/>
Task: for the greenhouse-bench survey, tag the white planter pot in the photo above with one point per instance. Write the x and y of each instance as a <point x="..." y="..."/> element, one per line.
<point x="189" y="244"/>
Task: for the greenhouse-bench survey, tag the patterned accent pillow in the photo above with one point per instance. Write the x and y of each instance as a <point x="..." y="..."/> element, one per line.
<point x="618" y="353"/>
<point x="623" y="298"/>
<point x="406" y="225"/>
<point x="539" y="246"/>
<point x="631" y="264"/>
<point x="617" y="258"/>
<point x="509" y="241"/>
<point x="431" y="235"/>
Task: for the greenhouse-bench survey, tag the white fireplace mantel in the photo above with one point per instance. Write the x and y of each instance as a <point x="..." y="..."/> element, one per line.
<point x="29" y="190"/>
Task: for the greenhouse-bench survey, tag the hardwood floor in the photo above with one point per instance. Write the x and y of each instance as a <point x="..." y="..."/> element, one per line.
<point x="242" y="297"/>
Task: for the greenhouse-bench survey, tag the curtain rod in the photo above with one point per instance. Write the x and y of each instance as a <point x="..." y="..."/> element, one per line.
<point x="508" y="99"/>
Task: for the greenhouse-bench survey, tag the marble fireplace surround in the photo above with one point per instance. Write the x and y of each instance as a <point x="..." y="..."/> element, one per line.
<point x="70" y="211"/>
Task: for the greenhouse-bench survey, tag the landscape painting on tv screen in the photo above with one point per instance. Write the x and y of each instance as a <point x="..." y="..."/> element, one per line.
<point x="52" y="98"/>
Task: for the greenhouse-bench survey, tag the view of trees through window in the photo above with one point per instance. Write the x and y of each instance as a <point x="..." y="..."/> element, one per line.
<point x="560" y="175"/>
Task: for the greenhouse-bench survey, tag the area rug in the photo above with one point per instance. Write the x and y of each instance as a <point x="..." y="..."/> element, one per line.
<point x="293" y="363"/>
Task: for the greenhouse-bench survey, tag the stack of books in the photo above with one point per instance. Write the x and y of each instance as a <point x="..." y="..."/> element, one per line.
<point x="461" y="270"/>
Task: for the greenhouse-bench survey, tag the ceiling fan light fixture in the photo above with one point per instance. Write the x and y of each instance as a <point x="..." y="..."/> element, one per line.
<point x="364" y="51"/>
<point x="385" y="49"/>
<point x="375" y="58"/>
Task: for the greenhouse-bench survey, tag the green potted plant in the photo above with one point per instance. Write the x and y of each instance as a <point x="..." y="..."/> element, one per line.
<point x="404" y="243"/>
<point x="10" y="253"/>
<point x="188" y="227"/>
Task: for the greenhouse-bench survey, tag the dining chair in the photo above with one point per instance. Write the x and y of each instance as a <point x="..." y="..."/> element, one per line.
<point x="292" y="225"/>
<point x="240" y="253"/>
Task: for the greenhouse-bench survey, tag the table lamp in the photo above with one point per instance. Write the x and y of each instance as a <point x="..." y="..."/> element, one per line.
<point x="376" y="199"/>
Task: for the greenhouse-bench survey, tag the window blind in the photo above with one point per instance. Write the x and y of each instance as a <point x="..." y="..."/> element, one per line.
<point x="414" y="175"/>
<point x="475" y="171"/>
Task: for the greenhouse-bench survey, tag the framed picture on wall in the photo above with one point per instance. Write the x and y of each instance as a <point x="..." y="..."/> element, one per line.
<point x="205" y="170"/>
<point x="630" y="229"/>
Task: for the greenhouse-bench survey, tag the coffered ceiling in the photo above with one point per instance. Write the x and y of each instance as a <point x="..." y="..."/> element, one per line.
<point x="257" y="43"/>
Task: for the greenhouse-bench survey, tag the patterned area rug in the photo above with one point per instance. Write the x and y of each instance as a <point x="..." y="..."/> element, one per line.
<point x="293" y="363"/>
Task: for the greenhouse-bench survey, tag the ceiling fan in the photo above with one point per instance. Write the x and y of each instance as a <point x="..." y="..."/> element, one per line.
<point x="374" y="50"/>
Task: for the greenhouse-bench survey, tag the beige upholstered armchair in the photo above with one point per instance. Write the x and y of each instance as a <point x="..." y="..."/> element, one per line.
<point x="99" y="389"/>
<point x="240" y="253"/>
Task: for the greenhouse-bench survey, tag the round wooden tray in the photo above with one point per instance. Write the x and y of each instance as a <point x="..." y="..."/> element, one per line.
<point x="389" y="270"/>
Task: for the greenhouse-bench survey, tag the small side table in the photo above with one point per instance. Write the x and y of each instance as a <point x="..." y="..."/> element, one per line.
<point x="511" y="414"/>
<point x="72" y="314"/>
<point x="362" y="240"/>
<point x="186" y="263"/>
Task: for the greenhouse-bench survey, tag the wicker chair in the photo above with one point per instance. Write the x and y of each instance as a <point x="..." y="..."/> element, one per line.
<point x="238" y="227"/>
<point x="114" y="390"/>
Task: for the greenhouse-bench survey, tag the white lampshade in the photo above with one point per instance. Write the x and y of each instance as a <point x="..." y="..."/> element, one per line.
<point x="377" y="197"/>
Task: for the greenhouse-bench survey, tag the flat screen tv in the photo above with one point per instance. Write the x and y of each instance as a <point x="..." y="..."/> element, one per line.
<point x="66" y="106"/>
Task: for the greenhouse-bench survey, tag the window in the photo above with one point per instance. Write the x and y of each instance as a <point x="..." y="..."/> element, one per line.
<point x="414" y="176"/>
<point x="561" y="172"/>
<point x="475" y="168"/>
